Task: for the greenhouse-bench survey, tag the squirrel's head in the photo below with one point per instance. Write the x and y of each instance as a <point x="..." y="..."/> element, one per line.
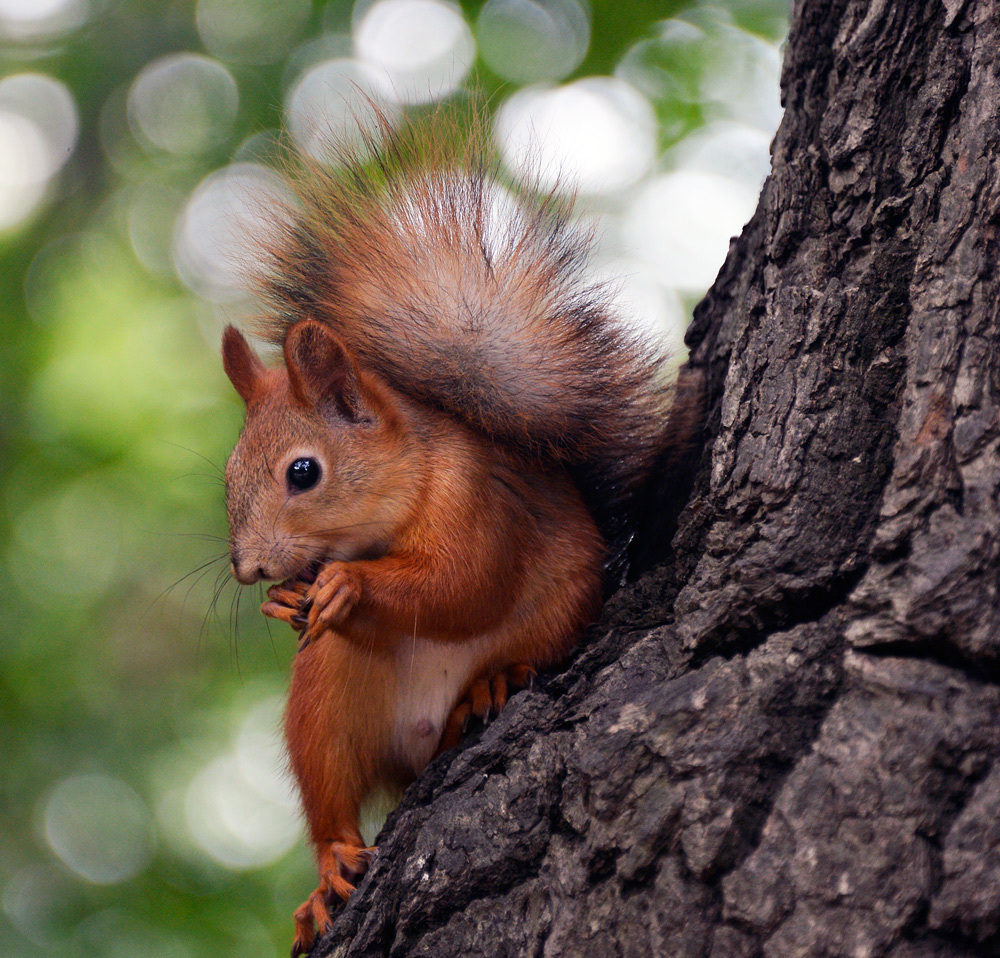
<point x="322" y="469"/>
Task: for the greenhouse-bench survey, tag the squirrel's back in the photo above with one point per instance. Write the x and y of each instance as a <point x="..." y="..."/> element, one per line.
<point x="474" y="299"/>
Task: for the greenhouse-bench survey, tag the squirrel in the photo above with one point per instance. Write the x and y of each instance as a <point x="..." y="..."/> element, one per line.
<point x="441" y="470"/>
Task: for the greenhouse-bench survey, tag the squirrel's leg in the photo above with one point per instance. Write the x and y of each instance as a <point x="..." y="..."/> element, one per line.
<point x="393" y="594"/>
<point x="341" y="857"/>
<point x="340" y="864"/>
<point x="334" y="747"/>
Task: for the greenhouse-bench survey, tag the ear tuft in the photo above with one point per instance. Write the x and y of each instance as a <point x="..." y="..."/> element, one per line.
<point x="242" y="364"/>
<point x="321" y="372"/>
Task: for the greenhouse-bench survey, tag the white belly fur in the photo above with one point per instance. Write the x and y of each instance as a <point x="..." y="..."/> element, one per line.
<point x="430" y="677"/>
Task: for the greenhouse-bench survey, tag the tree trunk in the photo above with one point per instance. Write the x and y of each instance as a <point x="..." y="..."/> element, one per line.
<point x="784" y="740"/>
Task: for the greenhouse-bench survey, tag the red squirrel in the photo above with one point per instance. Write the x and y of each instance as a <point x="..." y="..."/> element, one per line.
<point x="439" y="471"/>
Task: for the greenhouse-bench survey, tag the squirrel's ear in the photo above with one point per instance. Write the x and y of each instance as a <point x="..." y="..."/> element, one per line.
<point x="320" y="370"/>
<point x="242" y="364"/>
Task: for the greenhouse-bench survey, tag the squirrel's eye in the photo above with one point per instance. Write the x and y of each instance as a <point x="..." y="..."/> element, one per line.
<point x="303" y="474"/>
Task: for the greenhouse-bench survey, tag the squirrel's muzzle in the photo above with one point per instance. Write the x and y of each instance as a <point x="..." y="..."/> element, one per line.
<point x="245" y="571"/>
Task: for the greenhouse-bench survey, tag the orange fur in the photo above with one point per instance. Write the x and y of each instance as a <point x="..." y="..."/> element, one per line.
<point x="447" y="541"/>
<point x="475" y="412"/>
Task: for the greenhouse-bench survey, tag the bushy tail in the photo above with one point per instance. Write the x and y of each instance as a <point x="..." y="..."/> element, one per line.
<point x="473" y="299"/>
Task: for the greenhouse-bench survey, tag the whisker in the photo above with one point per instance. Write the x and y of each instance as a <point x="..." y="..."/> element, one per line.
<point x="335" y="529"/>
<point x="215" y="466"/>
<point x="277" y="515"/>
<point x="206" y="536"/>
<point x="267" y="623"/>
<point x="187" y="594"/>
<point x="267" y="464"/>
<point x="413" y="645"/>
<point x="221" y="581"/>
<point x="170" y="588"/>
<point x="234" y="615"/>
<point x="216" y="480"/>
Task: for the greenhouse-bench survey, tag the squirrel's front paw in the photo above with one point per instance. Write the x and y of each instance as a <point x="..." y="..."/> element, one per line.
<point x="334" y="594"/>
<point x="286" y="602"/>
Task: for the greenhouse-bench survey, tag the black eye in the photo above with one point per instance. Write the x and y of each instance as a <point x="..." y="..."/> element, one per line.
<point x="303" y="474"/>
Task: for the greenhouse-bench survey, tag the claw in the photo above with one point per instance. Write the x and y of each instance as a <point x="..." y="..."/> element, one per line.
<point x="485" y="699"/>
<point x="333" y="596"/>
<point x="286" y="602"/>
<point x="339" y="862"/>
<point x="522" y="676"/>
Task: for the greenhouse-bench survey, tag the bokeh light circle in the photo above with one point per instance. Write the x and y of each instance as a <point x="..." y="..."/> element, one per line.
<point x="34" y="19"/>
<point x="596" y="135"/>
<point x="327" y="110"/>
<point x="183" y="103"/>
<point x="528" y="41"/>
<point x="241" y="808"/>
<point x="74" y="532"/>
<point x="423" y="48"/>
<point x="251" y="31"/>
<point x="642" y="303"/>
<point x="38" y="131"/>
<point x="32" y="898"/>
<point x="150" y="215"/>
<point x="24" y="160"/>
<point x="740" y="78"/>
<point x="222" y="233"/>
<point x="733" y="150"/>
<point x="49" y="104"/>
<point x="260" y="753"/>
<point x="99" y="828"/>
<point x="681" y="224"/>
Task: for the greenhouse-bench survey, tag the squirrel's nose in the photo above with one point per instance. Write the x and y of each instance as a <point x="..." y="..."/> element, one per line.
<point x="244" y="572"/>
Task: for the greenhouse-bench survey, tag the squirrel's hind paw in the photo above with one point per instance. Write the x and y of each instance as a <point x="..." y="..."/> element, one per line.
<point x="349" y="864"/>
<point x="484" y="699"/>
<point x="310" y="916"/>
<point x="341" y="865"/>
<point x="487" y="696"/>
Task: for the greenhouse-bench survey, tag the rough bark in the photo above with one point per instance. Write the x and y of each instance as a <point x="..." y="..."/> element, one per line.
<point x="784" y="740"/>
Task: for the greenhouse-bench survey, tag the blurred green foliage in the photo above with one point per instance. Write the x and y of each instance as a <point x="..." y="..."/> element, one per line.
<point x="129" y="661"/>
